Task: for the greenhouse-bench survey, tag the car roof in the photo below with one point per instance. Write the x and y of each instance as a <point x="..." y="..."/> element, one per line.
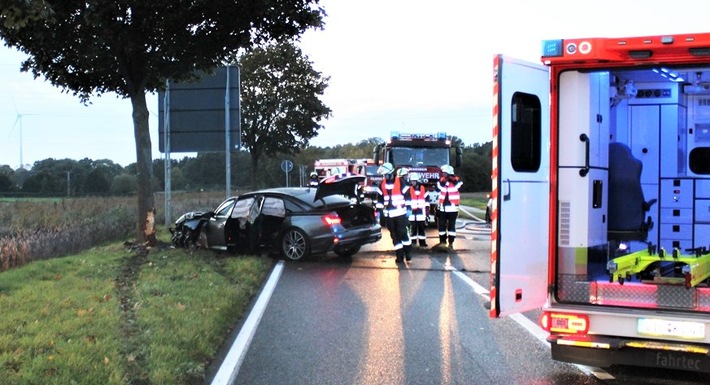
<point x="305" y="195"/>
<point x="334" y="185"/>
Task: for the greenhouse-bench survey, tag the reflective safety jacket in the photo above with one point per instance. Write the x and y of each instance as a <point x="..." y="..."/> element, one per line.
<point x="449" y="196"/>
<point x="393" y="202"/>
<point x="416" y="199"/>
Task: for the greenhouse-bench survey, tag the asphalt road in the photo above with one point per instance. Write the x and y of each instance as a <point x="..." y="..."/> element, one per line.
<point x="368" y="320"/>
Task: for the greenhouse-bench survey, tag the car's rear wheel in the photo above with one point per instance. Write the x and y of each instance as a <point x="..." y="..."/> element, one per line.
<point x="295" y="245"/>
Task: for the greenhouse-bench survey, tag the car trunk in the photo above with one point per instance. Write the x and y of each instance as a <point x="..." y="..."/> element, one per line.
<point x="356" y="215"/>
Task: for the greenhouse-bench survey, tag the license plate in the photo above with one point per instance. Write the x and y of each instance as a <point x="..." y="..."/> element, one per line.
<point x="666" y="328"/>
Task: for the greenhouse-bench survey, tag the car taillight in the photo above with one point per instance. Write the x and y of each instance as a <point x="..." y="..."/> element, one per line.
<point x="331" y="219"/>
<point x="564" y="323"/>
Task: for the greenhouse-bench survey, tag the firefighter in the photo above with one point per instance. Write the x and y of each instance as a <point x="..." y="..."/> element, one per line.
<point x="417" y="195"/>
<point x="448" y="207"/>
<point x="313" y="179"/>
<point x="489" y="211"/>
<point x="394" y="208"/>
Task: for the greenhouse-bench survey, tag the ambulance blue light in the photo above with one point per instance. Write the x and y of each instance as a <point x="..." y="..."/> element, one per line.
<point x="441" y="135"/>
<point x="552" y="48"/>
<point x="394" y="135"/>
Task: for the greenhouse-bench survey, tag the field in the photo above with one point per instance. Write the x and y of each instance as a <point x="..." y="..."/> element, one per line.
<point x="113" y="313"/>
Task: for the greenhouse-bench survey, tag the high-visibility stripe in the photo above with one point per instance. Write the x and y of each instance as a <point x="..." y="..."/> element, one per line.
<point x="494" y="185"/>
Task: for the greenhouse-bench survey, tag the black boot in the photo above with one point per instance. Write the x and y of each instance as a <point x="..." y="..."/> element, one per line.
<point x="399" y="255"/>
<point x="451" y="243"/>
<point x="408" y="253"/>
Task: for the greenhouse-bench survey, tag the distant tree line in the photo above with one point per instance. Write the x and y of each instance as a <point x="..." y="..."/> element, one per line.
<point x="206" y="171"/>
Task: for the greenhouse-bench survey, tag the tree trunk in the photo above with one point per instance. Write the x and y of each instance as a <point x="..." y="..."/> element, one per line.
<point x="254" y="167"/>
<point x="144" y="161"/>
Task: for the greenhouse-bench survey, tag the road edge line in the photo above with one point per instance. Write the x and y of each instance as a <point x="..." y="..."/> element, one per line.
<point x="229" y="368"/>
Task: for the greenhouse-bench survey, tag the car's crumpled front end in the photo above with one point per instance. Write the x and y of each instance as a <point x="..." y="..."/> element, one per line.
<point x="187" y="228"/>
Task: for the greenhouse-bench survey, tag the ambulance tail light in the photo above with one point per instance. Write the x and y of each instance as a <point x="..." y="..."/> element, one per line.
<point x="565" y="323"/>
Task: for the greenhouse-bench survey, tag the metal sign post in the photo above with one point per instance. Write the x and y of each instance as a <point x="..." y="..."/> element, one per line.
<point x="167" y="169"/>
<point x="286" y="167"/>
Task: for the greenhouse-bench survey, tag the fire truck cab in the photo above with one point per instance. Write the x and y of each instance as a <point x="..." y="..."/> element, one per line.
<point x="601" y="198"/>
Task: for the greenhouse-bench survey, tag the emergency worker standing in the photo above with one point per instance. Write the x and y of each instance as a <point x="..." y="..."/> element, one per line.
<point x="416" y="197"/>
<point x="448" y="206"/>
<point x="394" y="208"/>
<point x="313" y="179"/>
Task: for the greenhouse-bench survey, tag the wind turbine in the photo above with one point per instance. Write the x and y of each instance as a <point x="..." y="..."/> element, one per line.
<point x="18" y="119"/>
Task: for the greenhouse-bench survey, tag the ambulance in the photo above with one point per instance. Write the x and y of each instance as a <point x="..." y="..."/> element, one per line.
<point x="327" y="167"/>
<point x="601" y="198"/>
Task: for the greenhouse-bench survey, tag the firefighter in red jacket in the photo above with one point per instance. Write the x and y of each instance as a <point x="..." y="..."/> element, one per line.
<point x="448" y="207"/>
<point x="417" y="195"/>
<point x="394" y="208"/>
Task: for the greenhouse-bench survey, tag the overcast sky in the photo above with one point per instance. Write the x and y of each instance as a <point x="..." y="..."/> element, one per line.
<point x="394" y="65"/>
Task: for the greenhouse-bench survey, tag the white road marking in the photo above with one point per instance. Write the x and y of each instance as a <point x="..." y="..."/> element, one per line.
<point x="229" y="369"/>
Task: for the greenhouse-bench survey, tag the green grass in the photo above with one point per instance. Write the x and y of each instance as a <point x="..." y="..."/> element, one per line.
<point x="477" y="200"/>
<point x="115" y="316"/>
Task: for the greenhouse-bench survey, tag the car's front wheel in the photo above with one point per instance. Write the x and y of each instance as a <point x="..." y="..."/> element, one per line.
<point x="294" y="245"/>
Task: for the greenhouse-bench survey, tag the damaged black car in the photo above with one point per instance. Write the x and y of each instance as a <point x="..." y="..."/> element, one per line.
<point x="291" y="222"/>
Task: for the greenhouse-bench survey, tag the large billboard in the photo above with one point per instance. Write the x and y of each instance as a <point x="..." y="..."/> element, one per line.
<point x="198" y="112"/>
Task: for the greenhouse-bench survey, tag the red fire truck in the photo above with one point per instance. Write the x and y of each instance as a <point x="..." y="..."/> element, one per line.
<point x="601" y="198"/>
<point x="422" y="153"/>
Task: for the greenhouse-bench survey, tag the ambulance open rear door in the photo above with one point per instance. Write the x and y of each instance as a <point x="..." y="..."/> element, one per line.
<point x="521" y="187"/>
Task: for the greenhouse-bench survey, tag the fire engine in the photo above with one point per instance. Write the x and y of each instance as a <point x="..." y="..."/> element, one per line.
<point x="601" y="198"/>
<point x="327" y="167"/>
<point x="423" y="153"/>
<point x="368" y="167"/>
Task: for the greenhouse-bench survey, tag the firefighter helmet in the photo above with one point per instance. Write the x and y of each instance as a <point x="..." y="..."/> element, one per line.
<point x="313" y="173"/>
<point x="402" y="172"/>
<point x="414" y="177"/>
<point x="447" y="169"/>
<point x="385" y="169"/>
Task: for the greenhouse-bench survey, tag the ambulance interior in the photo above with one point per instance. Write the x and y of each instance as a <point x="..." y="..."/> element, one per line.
<point x="633" y="225"/>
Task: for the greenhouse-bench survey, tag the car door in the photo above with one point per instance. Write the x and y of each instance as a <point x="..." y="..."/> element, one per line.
<point x="521" y="187"/>
<point x="215" y="229"/>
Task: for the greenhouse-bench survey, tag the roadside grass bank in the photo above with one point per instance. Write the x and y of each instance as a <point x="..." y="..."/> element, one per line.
<point x="120" y="315"/>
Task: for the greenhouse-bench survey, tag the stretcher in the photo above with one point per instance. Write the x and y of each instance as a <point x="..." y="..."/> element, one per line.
<point x="648" y="264"/>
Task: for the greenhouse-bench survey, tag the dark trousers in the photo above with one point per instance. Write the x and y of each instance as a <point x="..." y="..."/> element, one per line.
<point x="447" y="226"/>
<point x="399" y="232"/>
<point x="418" y="234"/>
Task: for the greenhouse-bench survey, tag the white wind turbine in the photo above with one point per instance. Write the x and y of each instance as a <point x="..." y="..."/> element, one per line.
<point x="18" y="123"/>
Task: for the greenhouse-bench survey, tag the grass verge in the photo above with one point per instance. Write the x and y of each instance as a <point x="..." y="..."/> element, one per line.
<point x="112" y="315"/>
